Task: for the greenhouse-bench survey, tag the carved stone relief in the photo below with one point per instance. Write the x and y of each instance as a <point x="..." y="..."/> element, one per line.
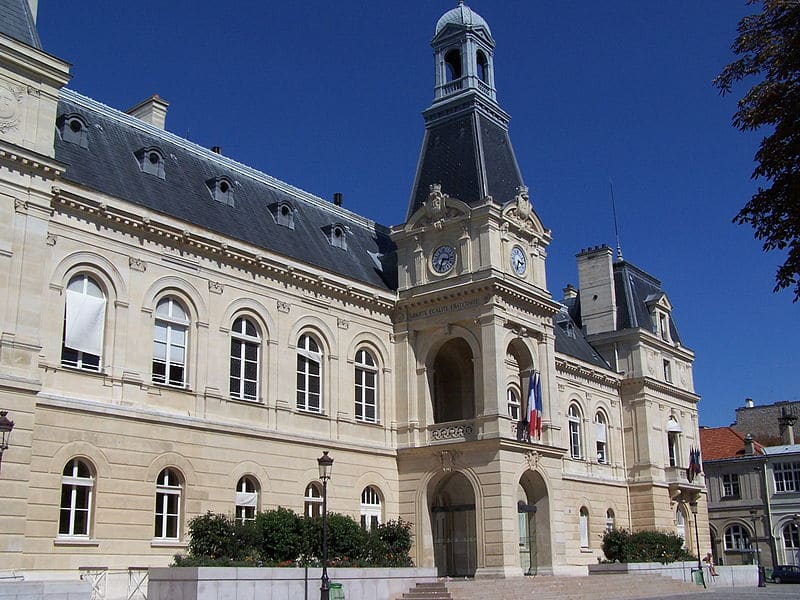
<point x="10" y="107"/>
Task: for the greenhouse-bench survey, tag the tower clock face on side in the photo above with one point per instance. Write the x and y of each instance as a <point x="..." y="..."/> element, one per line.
<point x="443" y="259"/>
<point x="519" y="261"/>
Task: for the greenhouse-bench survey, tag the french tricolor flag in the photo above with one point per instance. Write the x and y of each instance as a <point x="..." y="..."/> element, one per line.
<point x="534" y="406"/>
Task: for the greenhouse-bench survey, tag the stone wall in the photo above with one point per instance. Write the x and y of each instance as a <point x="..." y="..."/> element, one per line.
<point x="762" y="422"/>
<point x="210" y="583"/>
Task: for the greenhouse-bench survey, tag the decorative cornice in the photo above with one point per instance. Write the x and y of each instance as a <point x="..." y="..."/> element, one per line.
<point x="650" y="384"/>
<point x="579" y="369"/>
<point x="30" y="160"/>
<point x="200" y="243"/>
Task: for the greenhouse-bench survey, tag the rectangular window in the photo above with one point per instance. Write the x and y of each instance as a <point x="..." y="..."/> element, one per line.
<point x="667" y="371"/>
<point x="672" y="443"/>
<point x="730" y="485"/>
<point x="787" y="476"/>
<point x="663" y="326"/>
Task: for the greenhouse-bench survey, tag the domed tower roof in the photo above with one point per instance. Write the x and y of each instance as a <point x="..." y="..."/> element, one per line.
<point x="462" y="15"/>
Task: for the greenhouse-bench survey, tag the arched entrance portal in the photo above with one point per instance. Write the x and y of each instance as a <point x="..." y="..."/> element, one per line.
<point x="533" y="512"/>
<point x="453" y="384"/>
<point x="453" y="524"/>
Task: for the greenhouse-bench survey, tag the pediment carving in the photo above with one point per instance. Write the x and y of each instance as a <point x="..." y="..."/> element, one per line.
<point x="437" y="210"/>
<point x="519" y="213"/>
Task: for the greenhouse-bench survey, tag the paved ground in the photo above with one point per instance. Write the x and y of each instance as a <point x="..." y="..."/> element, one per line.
<point x="784" y="590"/>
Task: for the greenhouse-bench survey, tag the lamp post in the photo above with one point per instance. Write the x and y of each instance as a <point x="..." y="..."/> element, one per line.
<point x="761" y="579"/>
<point x="693" y="507"/>
<point x="5" y="433"/>
<point x="325" y="464"/>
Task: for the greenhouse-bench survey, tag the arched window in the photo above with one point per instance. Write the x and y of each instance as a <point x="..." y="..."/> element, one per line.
<point x="169" y="490"/>
<point x="313" y="500"/>
<point x="737" y="538"/>
<point x="609" y="520"/>
<point x="309" y="375"/>
<point x="77" y="485"/>
<point x="680" y="525"/>
<point x="245" y="359"/>
<point x="673" y="441"/>
<point x="575" y="441"/>
<point x="583" y="522"/>
<point x="246" y="500"/>
<point x="791" y="543"/>
<point x="371" y="514"/>
<point x="452" y="61"/>
<point x="170" y="343"/>
<point x="84" y="321"/>
<point x="366" y="387"/>
<point x="601" y="437"/>
<point x="513" y="403"/>
<point x="483" y="66"/>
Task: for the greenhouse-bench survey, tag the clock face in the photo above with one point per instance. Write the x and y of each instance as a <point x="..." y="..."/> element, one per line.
<point x="443" y="259"/>
<point x="518" y="260"/>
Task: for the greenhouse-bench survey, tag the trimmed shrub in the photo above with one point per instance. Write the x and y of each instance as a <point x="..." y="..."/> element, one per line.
<point x="281" y="535"/>
<point x="621" y="545"/>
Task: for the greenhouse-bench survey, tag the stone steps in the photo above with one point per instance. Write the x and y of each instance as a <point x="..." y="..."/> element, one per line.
<point x="428" y="591"/>
<point x="552" y="588"/>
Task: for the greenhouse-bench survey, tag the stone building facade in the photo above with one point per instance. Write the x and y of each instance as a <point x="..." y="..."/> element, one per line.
<point x="182" y="333"/>
<point x="770" y="424"/>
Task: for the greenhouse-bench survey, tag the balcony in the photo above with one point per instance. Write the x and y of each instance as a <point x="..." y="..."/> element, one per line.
<point x="679" y="484"/>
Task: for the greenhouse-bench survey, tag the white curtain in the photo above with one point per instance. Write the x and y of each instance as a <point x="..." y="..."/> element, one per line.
<point x="247" y="499"/>
<point x="85" y="322"/>
<point x="600" y="431"/>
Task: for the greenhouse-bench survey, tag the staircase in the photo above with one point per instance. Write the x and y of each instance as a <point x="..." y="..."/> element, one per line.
<point x="552" y="588"/>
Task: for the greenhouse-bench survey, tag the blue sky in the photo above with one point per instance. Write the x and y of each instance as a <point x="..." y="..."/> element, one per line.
<point x="327" y="96"/>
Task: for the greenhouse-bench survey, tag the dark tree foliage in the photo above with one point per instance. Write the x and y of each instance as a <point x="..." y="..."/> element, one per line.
<point x="768" y="47"/>
<point x="621" y="545"/>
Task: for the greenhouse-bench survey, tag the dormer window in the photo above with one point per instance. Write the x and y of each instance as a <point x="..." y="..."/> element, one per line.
<point x="285" y="215"/>
<point x="74" y="130"/>
<point x="663" y="326"/>
<point x="151" y="160"/>
<point x="221" y="190"/>
<point x="337" y="235"/>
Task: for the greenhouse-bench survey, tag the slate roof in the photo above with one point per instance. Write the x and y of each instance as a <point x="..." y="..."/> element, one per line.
<point x="16" y="21"/>
<point x="780" y="450"/>
<point x="571" y="341"/>
<point x="719" y="443"/>
<point x="471" y="157"/>
<point x="110" y="166"/>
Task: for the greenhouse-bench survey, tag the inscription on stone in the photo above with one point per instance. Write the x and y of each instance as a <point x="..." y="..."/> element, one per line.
<point x="447" y="308"/>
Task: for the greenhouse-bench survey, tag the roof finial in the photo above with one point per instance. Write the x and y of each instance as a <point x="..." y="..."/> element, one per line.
<point x="616" y="227"/>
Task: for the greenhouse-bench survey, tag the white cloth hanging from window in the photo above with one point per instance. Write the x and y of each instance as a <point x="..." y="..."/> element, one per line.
<point x="247" y="499"/>
<point x="85" y="322"/>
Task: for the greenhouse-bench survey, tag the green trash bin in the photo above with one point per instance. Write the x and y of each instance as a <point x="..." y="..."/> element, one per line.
<point x="336" y="592"/>
<point x="697" y="577"/>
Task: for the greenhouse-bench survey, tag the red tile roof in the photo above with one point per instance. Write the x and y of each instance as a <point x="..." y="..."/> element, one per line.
<point x="723" y="442"/>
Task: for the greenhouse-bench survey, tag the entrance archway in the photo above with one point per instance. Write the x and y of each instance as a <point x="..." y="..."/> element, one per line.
<point x="453" y="527"/>
<point x="533" y="512"/>
<point x="453" y="382"/>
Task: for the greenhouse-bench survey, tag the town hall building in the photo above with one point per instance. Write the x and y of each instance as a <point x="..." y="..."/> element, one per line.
<point x="182" y="333"/>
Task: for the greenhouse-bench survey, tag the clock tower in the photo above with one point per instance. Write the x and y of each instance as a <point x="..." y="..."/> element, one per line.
<point x="474" y="322"/>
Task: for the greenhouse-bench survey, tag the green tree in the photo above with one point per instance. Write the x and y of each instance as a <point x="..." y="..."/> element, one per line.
<point x="768" y="49"/>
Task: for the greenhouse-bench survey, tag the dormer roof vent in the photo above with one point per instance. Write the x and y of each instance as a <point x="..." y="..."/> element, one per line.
<point x="151" y="160"/>
<point x="221" y="189"/>
<point x="337" y="235"/>
<point x="74" y="129"/>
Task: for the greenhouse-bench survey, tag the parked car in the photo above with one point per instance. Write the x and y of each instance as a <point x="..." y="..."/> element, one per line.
<point x="786" y="574"/>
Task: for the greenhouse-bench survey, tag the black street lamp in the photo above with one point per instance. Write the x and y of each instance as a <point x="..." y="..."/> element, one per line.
<point x="325" y="464"/>
<point x="693" y="507"/>
<point x="5" y="433"/>
<point x="761" y="579"/>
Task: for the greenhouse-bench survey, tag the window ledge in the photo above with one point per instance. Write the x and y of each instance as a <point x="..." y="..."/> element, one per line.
<point x="167" y="386"/>
<point x="311" y="413"/>
<point x="75" y="541"/>
<point x="586" y="551"/>
<point x="168" y="544"/>
<point x="70" y="369"/>
<point x="371" y="423"/>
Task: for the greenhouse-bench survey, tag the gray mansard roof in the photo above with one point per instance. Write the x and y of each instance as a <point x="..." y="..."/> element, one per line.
<point x="16" y="21"/>
<point x="571" y="341"/>
<point x="634" y="290"/>
<point x="109" y="165"/>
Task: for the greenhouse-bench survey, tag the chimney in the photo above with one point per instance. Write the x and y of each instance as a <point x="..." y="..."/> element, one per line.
<point x="748" y="445"/>
<point x="570" y="292"/>
<point x="337" y="198"/>
<point x="596" y="283"/>
<point x="152" y="110"/>
<point x="786" y="423"/>
<point x="748" y="403"/>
